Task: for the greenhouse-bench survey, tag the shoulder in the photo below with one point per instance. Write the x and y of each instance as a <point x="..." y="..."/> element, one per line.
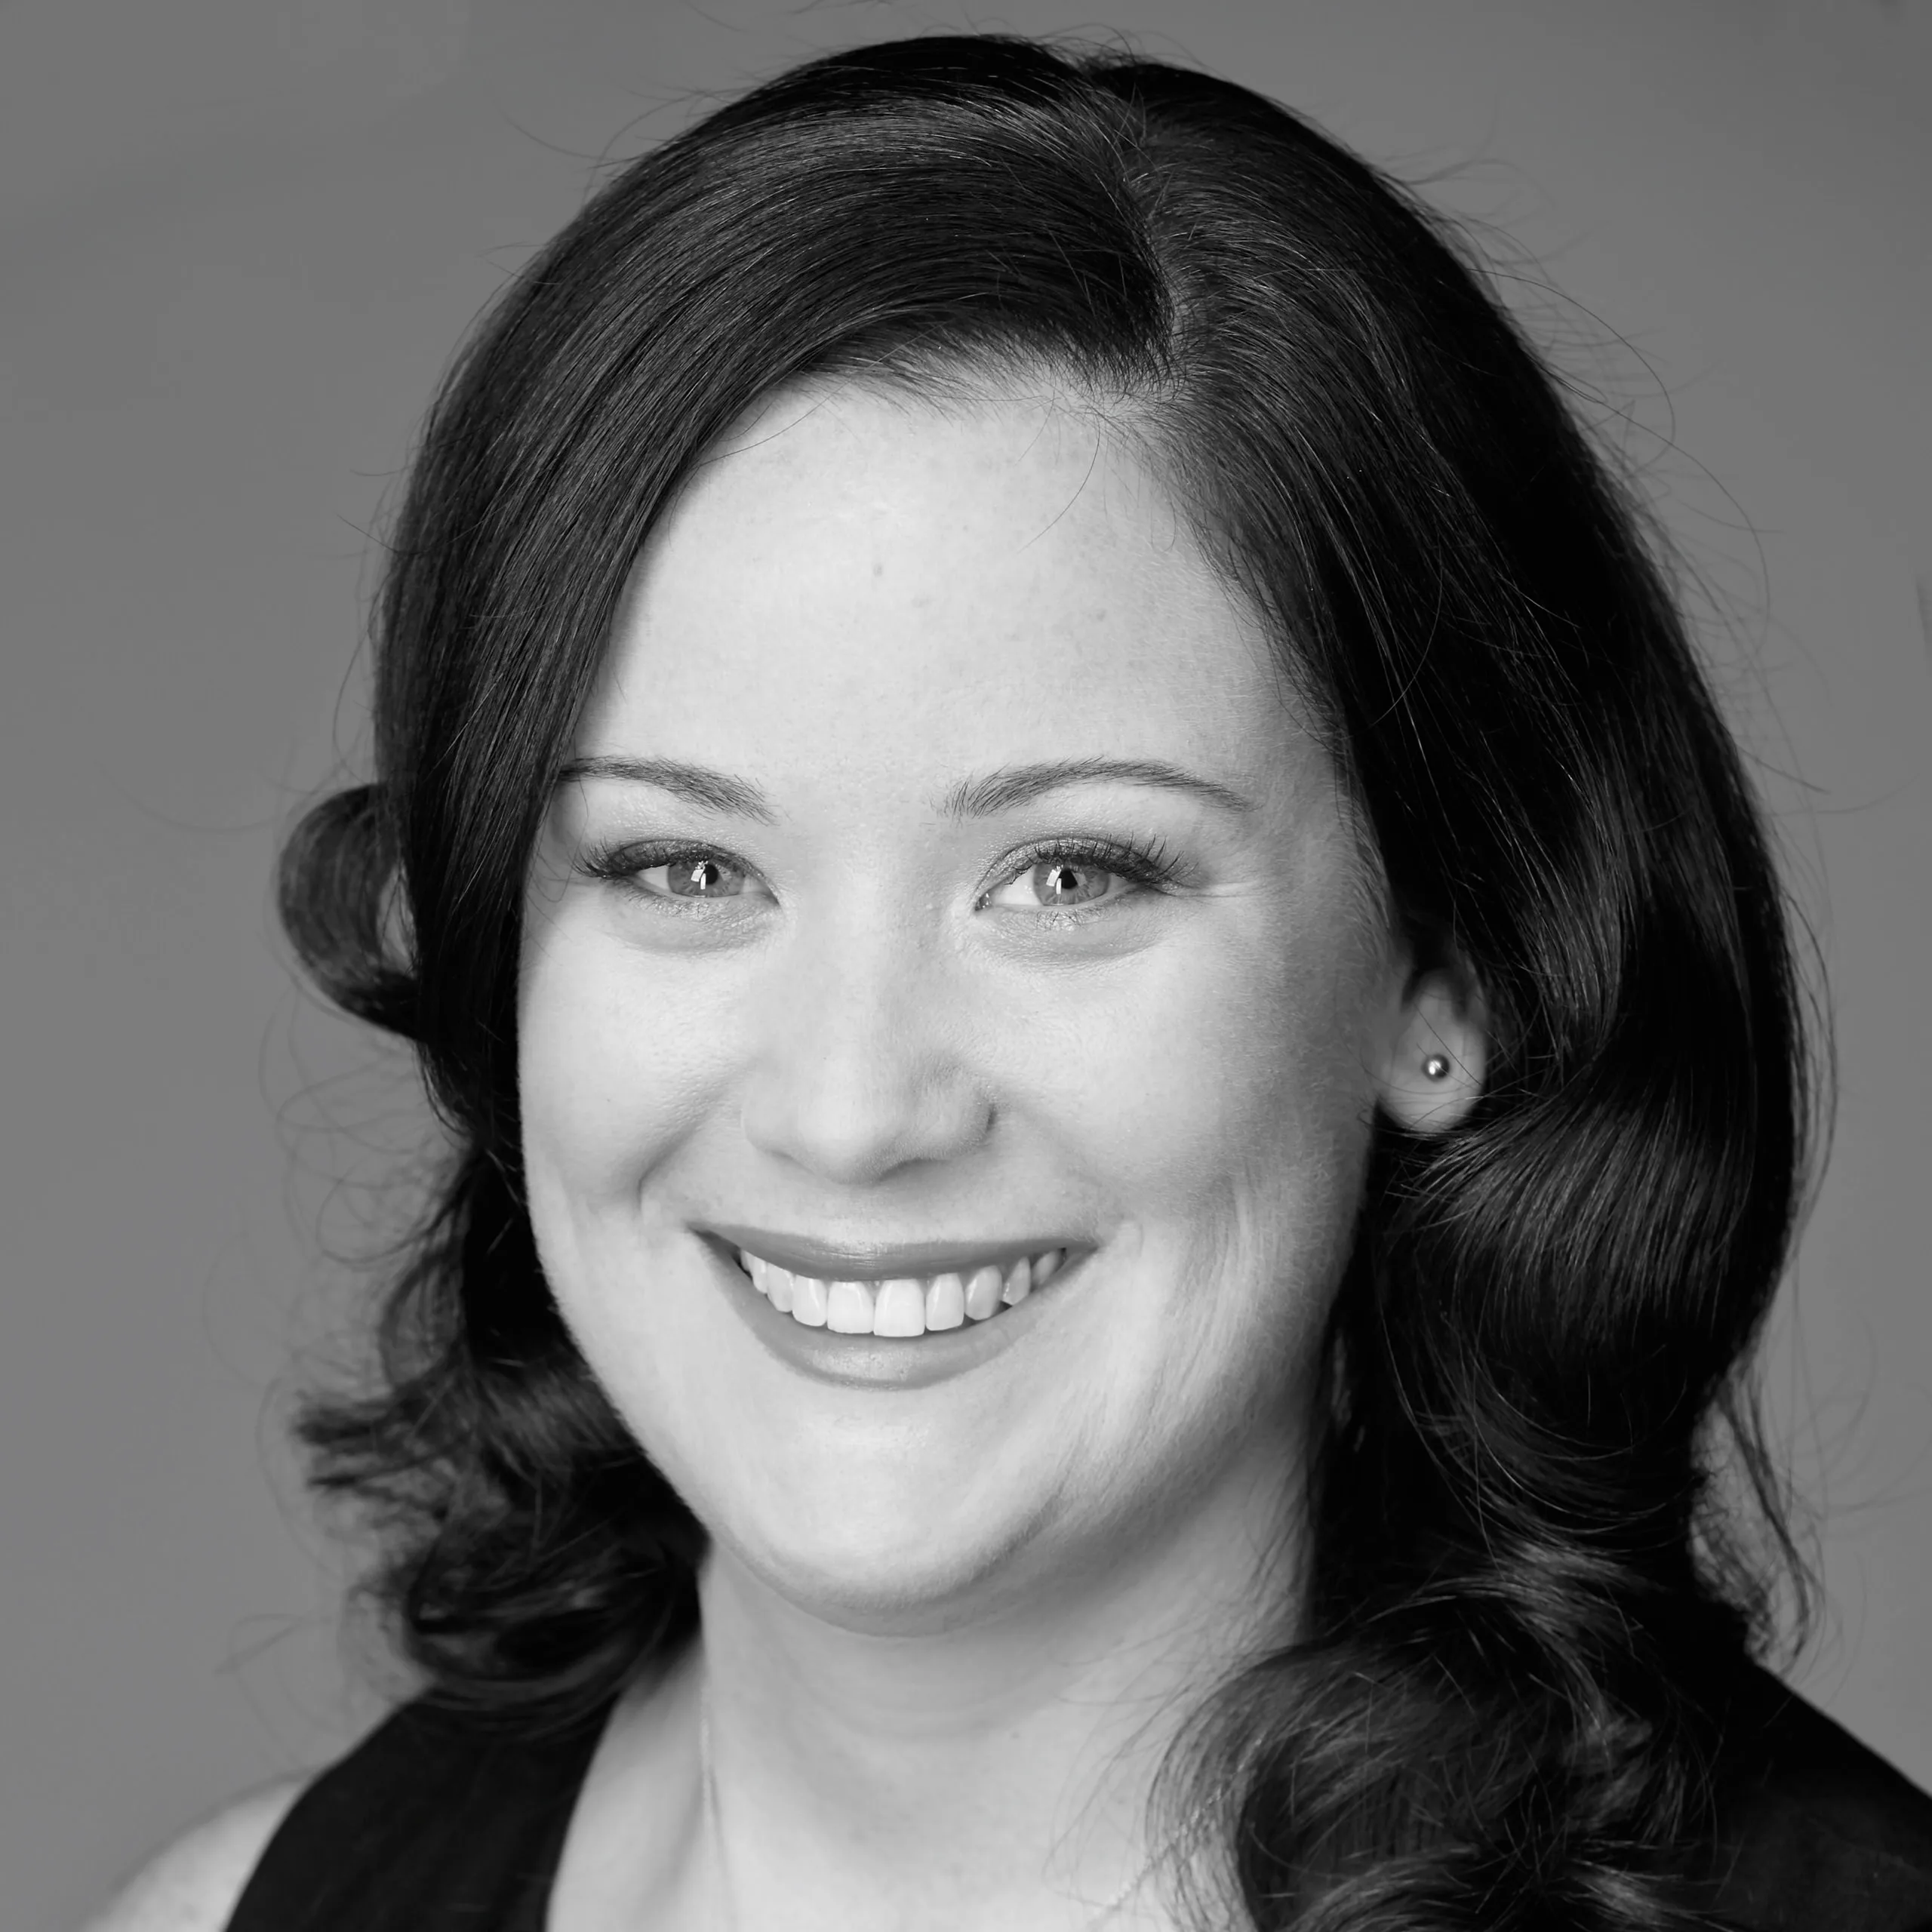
<point x="193" y="1884"/>
<point x="1815" y="1828"/>
<point x="404" y="1763"/>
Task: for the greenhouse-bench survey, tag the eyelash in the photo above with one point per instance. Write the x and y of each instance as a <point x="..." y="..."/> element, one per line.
<point x="618" y="865"/>
<point x="1142" y="863"/>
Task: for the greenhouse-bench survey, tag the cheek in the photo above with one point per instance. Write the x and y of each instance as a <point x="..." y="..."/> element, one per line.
<point x="1243" y="1060"/>
<point x="610" y="1083"/>
<point x="611" y="1074"/>
<point x="1231" y="1113"/>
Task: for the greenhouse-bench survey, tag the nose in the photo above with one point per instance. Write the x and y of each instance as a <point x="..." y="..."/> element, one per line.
<point x="861" y="1069"/>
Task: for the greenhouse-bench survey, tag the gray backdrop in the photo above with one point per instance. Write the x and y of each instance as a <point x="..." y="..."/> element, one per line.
<point x="241" y="239"/>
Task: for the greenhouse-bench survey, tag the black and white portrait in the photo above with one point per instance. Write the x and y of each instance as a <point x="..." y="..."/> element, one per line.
<point x="962" y="972"/>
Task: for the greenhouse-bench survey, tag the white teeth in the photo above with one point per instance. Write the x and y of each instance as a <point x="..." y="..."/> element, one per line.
<point x="808" y="1301"/>
<point x="982" y="1293"/>
<point x="848" y="1308"/>
<point x="946" y="1302"/>
<point x="901" y="1309"/>
<point x="904" y="1305"/>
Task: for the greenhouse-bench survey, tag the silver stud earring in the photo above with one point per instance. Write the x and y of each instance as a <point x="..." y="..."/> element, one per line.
<point x="1436" y="1067"/>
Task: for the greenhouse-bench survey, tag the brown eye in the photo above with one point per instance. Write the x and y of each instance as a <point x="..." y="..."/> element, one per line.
<point x="1070" y="882"/>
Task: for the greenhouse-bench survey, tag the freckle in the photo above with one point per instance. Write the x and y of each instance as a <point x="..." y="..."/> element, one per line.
<point x="879" y="567"/>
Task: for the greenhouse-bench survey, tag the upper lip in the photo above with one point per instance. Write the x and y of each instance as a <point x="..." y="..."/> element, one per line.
<point x="883" y="1261"/>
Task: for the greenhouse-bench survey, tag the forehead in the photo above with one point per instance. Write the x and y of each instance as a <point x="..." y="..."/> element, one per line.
<point x="993" y="581"/>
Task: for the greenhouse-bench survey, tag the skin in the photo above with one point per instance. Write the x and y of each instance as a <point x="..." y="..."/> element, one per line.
<point x="948" y="1629"/>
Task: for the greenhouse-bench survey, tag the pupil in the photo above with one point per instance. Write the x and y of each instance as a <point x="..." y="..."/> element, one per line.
<point x="1063" y="882"/>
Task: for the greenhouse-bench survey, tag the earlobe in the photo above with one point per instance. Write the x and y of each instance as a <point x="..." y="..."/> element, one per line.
<point x="1435" y="1056"/>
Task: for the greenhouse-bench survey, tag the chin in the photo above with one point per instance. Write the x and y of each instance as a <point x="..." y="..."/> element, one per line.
<point x="891" y="1565"/>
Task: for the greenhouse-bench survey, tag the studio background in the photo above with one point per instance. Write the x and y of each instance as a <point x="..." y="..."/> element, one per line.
<point x="238" y="240"/>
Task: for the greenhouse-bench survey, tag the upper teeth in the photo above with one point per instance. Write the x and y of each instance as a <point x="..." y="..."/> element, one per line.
<point x="908" y="1306"/>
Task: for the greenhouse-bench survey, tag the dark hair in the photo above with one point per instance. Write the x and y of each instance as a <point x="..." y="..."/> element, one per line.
<point x="1504" y="1700"/>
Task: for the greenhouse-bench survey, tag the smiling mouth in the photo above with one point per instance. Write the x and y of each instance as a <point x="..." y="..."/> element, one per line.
<point x="901" y="1305"/>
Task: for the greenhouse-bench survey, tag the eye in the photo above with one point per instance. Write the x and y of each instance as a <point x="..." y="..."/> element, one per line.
<point x="696" y="875"/>
<point x="1067" y="879"/>
<point x="692" y="874"/>
<point x="1059" y="882"/>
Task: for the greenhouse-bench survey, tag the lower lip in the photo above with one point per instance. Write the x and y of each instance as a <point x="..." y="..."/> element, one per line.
<point x="882" y="1362"/>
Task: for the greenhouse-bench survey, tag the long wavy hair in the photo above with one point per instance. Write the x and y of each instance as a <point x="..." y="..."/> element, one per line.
<point x="1504" y="1702"/>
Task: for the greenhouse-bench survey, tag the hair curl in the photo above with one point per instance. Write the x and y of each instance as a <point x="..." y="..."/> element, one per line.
<point x="1505" y="1702"/>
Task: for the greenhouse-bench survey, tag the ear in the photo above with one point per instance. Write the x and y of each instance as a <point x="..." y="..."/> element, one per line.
<point x="1433" y="1052"/>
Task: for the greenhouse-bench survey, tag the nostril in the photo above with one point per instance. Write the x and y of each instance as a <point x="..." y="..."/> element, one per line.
<point x="855" y="1131"/>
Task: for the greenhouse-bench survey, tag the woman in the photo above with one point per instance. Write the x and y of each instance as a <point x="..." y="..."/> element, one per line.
<point x="1124" y="1080"/>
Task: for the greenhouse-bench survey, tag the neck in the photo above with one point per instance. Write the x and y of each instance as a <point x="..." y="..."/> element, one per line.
<point x="999" y="1756"/>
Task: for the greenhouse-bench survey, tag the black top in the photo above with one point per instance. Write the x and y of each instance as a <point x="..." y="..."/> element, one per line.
<point x="434" y="1824"/>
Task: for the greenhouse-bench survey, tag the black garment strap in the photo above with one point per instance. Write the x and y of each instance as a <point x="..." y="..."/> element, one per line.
<point x="1817" y="1832"/>
<point x="437" y="1823"/>
<point x="432" y="1824"/>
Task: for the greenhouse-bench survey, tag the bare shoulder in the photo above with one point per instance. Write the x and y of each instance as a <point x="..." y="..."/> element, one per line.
<point x="192" y="1885"/>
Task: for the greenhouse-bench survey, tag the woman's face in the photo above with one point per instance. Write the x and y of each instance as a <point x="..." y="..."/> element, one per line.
<point x="944" y="885"/>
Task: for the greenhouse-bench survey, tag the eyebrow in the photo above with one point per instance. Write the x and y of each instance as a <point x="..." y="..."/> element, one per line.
<point x="698" y="784"/>
<point x="1001" y="791"/>
<point x="1014" y="785"/>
